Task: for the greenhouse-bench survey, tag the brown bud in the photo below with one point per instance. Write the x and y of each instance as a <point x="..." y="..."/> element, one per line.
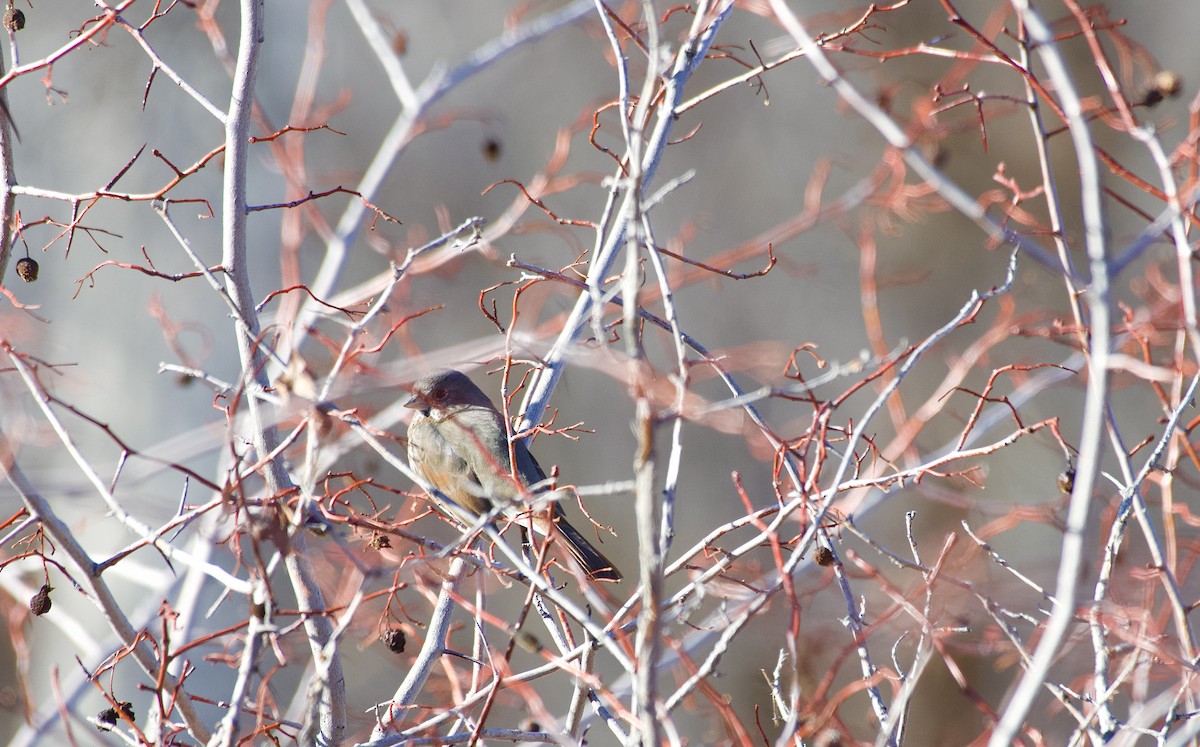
<point x="528" y="642"/>
<point x="14" y="19"/>
<point x="323" y="422"/>
<point x="39" y="604"/>
<point x="529" y="725"/>
<point x="27" y="269"/>
<point x="395" y="640"/>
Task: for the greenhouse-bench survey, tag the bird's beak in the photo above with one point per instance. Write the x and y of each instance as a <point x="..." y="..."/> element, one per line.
<point x="414" y="403"/>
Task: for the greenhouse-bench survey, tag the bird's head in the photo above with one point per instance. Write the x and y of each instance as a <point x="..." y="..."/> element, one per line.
<point x="446" y="390"/>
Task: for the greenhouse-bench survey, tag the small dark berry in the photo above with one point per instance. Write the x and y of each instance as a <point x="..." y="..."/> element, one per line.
<point x="491" y="150"/>
<point x="39" y="604"/>
<point x="823" y="557"/>
<point x="14" y="19"/>
<point x="395" y="640"/>
<point x="27" y="269"/>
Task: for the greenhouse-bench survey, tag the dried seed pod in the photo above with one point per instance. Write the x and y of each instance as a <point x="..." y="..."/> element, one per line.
<point x="14" y="19"/>
<point x="27" y="269"/>
<point x="109" y="716"/>
<point x="324" y="422"/>
<point x="39" y="604"/>
<point x="1066" y="481"/>
<point x="829" y="738"/>
<point x="1168" y="83"/>
<point x="395" y="640"/>
<point x="823" y="557"/>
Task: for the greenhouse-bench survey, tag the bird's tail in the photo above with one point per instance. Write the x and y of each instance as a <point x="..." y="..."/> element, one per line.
<point x="597" y="567"/>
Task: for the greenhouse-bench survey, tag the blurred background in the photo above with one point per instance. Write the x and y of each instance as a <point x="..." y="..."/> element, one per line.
<point x="101" y="332"/>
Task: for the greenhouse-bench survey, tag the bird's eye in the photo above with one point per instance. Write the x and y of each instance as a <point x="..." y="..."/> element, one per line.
<point x="439" y="394"/>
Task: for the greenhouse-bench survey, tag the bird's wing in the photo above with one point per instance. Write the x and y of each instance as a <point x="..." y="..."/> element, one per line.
<point x="442" y="466"/>
<point x="487" y="457"/>
<point x="527" y="467"/>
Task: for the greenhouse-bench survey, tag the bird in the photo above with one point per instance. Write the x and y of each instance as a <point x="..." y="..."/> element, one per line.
<point x="458" y="442"/>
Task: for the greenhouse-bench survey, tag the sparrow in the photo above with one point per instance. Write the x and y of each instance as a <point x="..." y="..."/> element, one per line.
<point x="458" y="442"/>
